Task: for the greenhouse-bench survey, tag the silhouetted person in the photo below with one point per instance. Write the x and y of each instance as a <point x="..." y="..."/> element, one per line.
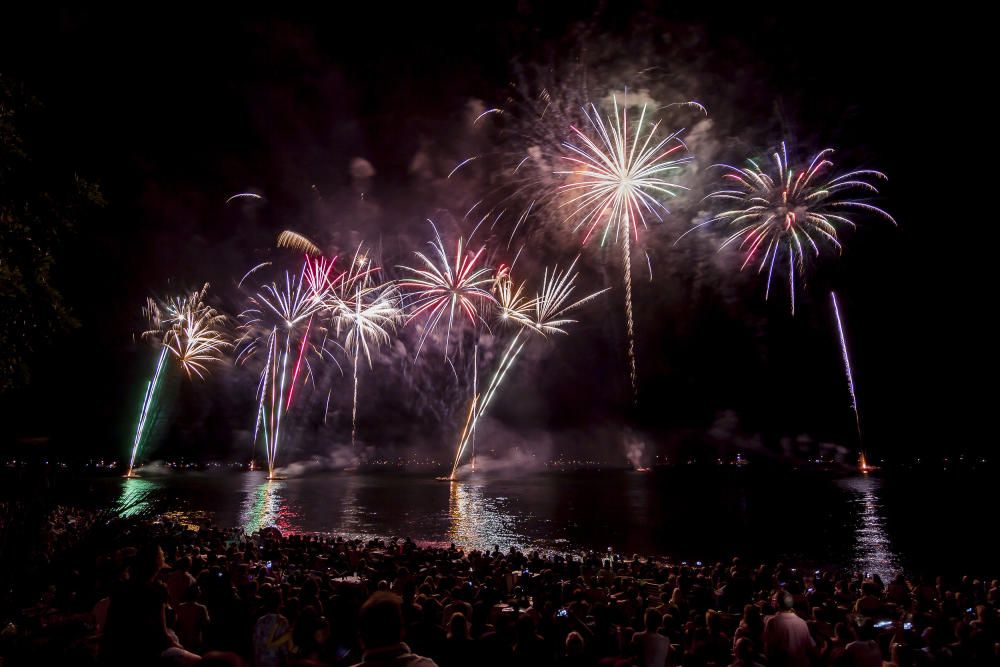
<point x="136" y="631"/>
<point x="179" y="581"/>
<point x="576" y="652"/>
<point x="529" y="647"/>
<point x="191" y="619"/>
<point x="458" y="648"/>
<point x="381" y="622"/>
<point x="652" y="647"/>
<point x="744" y="654"/>
<point x="864" y="651"/>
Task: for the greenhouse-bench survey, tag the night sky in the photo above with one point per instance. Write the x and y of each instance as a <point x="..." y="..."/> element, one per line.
<point x="171" y="112"/>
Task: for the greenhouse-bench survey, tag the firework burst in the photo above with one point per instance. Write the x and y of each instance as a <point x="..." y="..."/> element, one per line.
<point x="366" y="313"/>
<point x="782" y="214"/>
<point x="443" y="287"/>
<point x="619" y="175"/>
<point x="196" y="333"/>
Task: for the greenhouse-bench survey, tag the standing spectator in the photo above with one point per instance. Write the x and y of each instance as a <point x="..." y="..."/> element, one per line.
<point x="786" y="636"/>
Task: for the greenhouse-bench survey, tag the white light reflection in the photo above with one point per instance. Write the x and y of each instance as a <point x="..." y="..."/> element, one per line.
<point x="873" y="552"/>
<point x="479" y="522"/>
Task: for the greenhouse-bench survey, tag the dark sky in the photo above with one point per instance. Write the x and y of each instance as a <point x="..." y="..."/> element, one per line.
<point x="172" y="111"/>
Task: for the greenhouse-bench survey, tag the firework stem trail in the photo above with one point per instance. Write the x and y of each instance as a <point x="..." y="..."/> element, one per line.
<point x="509" y="357"/>
<point x="147" y="401"/>
<point x="354" y="409"/>
<point x="262" y="393"/>
<point x="847" y="367"/>
<point x="464" y="439"/>
<point x="298" y="364"/>
<point x="629" y="325"/>
<point x="475" y="392"/>
<point x="281" y="404"/>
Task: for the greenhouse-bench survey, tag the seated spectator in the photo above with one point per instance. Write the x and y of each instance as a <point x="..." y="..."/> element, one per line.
<point x="864" y="651"/>
<point x="458" y="648"/>
<point x="745" y="656"/>
<point x="191" y="619"/>
<point x="575" y="652"/>
<point x="136" y="630"/>
<point x="271" y="633"/>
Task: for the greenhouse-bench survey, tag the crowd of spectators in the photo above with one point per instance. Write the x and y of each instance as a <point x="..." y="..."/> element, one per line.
<point x="161" y="591"/>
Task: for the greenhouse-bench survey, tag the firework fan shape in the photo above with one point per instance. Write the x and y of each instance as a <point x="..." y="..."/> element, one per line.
<point x="447" y="286"/>
<point x="550" y="307"/>
<point x="546" y="314"/>
<point x="779" y="218"/>
<point x="513" y="307"/>
<point x="192" y="332"/>
<point x="195" y="335"/>
<point x="189" y="329"/>
<point x="280" y="321"/>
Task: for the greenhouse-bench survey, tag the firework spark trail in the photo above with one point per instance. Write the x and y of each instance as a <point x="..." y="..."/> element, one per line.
<point x="447" y="285"/>
<point x="793" y="211"/>
<point x="147" y="401"/>
<point x="615" y="181"/>
<point x="296" y="241"/>
<point x="847" y="367"/>
<point x="241" y="195"/>
<point x="544" y="315"/>
<point x="460" y="165"/>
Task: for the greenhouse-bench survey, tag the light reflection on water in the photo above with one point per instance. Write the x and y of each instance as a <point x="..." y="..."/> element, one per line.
<point x="478" y="521"/>
<point x="134" y="496"/>
<point x="263" y="507"/>
<point x="647" y="514"/>
<point x="873" y="550"/>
